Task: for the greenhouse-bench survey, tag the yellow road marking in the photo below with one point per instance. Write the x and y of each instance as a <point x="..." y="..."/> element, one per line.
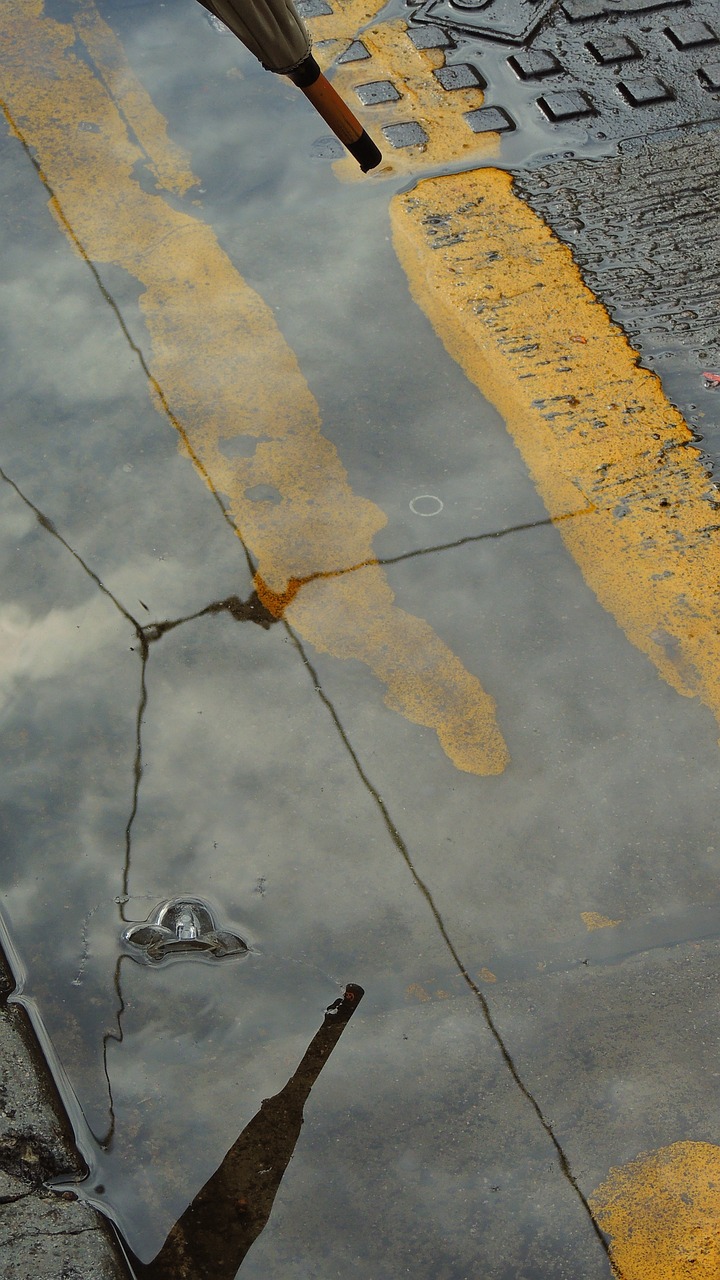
<point x="593" y="920"/>
<point x="423" y="100"/>
<point x="662" y="1213"/>
<point x="596" y="431"/>
<point x="220" y="369"/>
<point x="168" y="162"/>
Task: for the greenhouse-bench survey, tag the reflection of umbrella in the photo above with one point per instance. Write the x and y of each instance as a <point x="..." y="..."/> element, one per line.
<point x="229" y="1212"/>
<point x="276" y="34"/>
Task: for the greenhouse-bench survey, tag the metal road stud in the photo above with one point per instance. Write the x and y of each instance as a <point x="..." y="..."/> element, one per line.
<point x="182" y="927"/>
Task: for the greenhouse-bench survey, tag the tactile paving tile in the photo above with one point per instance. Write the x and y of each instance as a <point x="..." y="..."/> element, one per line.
<point x="425" y="102"/>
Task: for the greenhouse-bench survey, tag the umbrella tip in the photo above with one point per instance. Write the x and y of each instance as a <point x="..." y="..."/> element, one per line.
<point x="365" y="152"/>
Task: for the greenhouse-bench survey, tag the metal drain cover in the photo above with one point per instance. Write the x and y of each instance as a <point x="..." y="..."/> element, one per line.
<point x="583" y="73"/>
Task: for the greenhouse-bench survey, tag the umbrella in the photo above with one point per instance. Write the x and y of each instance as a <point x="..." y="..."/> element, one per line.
<point x="274" y="31"/>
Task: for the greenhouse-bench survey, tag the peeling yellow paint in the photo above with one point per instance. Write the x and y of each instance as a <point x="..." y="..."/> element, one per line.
<point x="417" y="992"/>
<point x="662" y="1214"/>
<point x="593" y="920"/>
<point x="487" y="975"/>
<point x="219" y="368"/>
<point x="596" y="431"/>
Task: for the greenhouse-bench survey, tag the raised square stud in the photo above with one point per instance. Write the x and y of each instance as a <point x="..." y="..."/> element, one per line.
<point x="609" y="49"/>
<point x="690" y="33"/>
<point x="429" y="37"/>
<point x="709" y="76"/>
<point x="377" y="91"/>
<point x="460" y="76"/>
<point x="313" y="8"/>
<point x="490" y="120"/>
<point x="356" y="52"/>
<point x="534" y="64"/>
<point x="645" y="91"/>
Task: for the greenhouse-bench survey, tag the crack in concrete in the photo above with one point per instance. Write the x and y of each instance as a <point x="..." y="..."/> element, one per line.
<point x="153" y="632"/>
<point x="463" y="971"/>
<point x="25" y="1235"/>
<point x="21" y="1195"/>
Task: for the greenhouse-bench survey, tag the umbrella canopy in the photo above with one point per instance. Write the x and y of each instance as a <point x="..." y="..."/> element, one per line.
<point x="271" y="29"/>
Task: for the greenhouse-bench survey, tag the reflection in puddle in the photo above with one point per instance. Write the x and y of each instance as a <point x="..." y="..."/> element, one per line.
<point x="243" y="381"/>
<point x="178" y="1043"/>
<point x="231" y="1209"/>
<point x="182" y="927"/>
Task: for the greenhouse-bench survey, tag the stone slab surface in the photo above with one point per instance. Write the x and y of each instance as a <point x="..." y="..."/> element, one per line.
<point x="45" y="1234"/>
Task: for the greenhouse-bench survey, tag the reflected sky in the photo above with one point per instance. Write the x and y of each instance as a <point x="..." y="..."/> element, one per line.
<point x="273" y="780"/>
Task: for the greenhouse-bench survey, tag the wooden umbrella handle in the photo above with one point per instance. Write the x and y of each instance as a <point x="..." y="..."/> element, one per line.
<point x="336" y="113"/>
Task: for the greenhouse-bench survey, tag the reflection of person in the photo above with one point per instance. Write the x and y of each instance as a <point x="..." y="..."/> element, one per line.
<point x="227" y="1215"/>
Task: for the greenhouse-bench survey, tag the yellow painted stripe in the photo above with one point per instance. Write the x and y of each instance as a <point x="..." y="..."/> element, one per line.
<point x="220" y="369"/>
<point x="662" y="1214"/>
<point x="596" y="431"/>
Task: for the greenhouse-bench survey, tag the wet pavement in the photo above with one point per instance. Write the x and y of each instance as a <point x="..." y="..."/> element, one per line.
<point x="295" y="628"/>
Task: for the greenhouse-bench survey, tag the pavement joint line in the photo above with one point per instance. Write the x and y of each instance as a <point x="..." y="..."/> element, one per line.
<point x="463" y="972"/>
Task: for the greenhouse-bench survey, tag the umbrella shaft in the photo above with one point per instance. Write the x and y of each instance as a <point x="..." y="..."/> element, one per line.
<point x="333" y="110"/>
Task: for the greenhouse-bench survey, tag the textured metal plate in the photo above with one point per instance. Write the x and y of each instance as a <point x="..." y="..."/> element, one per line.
<point x="583" y="73"/>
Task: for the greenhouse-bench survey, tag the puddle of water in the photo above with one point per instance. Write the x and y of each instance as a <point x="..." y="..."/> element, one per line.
<point x="225" y="760"/>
